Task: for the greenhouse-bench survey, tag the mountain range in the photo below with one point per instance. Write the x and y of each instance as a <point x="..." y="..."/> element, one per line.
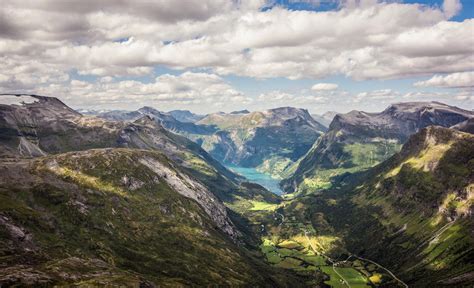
<point x="143" y="198"/>
<point x="358" y="140"/>
<point x="271" y="140"/>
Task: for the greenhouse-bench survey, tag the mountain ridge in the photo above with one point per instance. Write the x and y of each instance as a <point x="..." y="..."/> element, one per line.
<point x="358" y="140"/>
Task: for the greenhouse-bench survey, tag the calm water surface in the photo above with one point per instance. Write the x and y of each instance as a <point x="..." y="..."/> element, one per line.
<point x="258" y="177"/>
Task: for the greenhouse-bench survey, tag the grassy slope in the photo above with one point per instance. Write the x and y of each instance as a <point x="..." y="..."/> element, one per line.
<point x="330" y="158"/>
<point x="428" y="188"/>
<point x="399" y="213"/>
<point x="83" y="218"/>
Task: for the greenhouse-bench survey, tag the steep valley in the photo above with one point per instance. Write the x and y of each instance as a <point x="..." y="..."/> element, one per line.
<point x="270" y="140"/>
<point x="141" y="199"/>
<point x="114" y="211"/>
<point x="237" y="143"/>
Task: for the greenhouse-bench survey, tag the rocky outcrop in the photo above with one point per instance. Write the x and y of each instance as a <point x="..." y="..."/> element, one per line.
<point x="47" y="125"/>
<point x="188" y="187"/>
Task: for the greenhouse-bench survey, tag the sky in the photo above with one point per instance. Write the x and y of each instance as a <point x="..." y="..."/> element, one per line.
<point x="226" y="55"/>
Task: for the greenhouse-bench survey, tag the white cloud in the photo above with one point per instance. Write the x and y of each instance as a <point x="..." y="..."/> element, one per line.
<point x="26" y="75"/>
<point x="464" y="96"/>
<point x="165" y="92"/>
<point x="383" y="94"/>
<point x="42" y="42"/>
<point x="361" y="40"/>
<point x="324" y="87"/>
<point x="278" y="98"/>
<point x="451" y="8"/>
<point x="454" y="80"/>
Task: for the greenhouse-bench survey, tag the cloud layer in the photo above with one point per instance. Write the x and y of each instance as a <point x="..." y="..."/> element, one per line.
<point x="324" y="87"/>
<point x="454" y="80"/>
<point x="166" y="91"/>
<point x="42" y="43"/>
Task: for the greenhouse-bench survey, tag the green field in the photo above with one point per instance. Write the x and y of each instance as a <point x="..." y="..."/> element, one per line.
<point x="351" y="275"/>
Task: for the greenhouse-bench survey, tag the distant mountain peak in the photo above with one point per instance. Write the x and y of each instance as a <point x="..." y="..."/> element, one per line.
<point x="148" y="109"/>
<point x="245" y="111"/>
<point x="326" y="118"/>
<point x="287" y="110"/>
<point x="404" y="118"/>
<point x="185" y="116"/>
<point x="43" y="104"/>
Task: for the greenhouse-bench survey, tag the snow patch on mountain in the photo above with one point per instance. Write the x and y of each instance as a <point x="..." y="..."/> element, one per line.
<point x="17" y="99"/>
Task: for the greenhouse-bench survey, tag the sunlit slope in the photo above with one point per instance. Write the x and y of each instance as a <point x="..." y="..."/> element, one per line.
<point x="412" y="213"/>
<point x="427" y="193"/>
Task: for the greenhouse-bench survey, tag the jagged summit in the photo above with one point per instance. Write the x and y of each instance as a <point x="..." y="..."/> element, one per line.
<point x="401" y="119"/>
<point x="245" y="111"/>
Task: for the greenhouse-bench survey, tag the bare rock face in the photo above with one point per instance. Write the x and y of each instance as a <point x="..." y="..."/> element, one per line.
<point x="190" y="188"/>
<point x="465" y="126"/>
<point x="131" y="183"/>
<point x="19" y="235"/>
<point x="24" y="276"/>
<point x="47" y="125"/>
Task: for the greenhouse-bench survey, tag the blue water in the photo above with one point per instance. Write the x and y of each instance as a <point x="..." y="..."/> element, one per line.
<point x="258" y="177"/>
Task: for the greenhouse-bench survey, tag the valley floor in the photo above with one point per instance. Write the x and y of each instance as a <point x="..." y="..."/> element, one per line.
<point x="301" y="234"/>
<point x="292" y="243"/>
